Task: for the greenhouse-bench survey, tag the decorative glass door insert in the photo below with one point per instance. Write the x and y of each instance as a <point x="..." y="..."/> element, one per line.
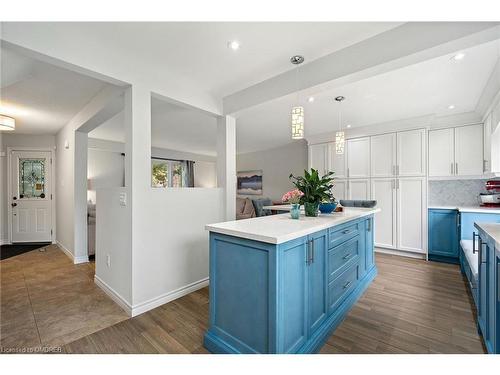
<point x="31" y="178"/>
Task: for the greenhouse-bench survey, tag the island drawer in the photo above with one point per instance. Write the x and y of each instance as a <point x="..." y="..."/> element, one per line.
<point x="342" y="255"/>
<point x="340" y="234"/>
<point x="342" y="285"/>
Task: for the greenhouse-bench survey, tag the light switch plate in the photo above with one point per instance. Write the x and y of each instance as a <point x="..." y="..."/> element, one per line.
<point x="123" y="199"/>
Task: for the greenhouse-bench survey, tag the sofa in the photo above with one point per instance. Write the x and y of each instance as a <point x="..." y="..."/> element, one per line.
<point x="247" y="208"/>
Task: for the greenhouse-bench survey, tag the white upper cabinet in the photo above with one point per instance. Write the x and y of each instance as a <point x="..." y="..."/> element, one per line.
<point x="358" y="189"/>
<point x="318" y="157"/>
<point x="469" y="155"/>
<point x="383" y="155"/>
<point x="339" y="190"/>
<point x="441" y="152"/>
<point x="411" y="153"/>
<point x="358" y="157"/>
<point x="336" y="162"/>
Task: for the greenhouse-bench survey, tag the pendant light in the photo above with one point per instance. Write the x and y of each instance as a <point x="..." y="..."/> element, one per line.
<point x="340" y="135"/>
<point x="297" y="110"/>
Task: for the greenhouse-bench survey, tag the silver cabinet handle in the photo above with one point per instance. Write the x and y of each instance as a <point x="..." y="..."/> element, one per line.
<point x="393" y="184"/>
<point x="348" y="172"/>
<point x="484" y="165"/>
<point x="456" y="169"/>
<point x="308" y="252"/>
<point x="346" y="231"/>
<point x="369" y="225"/>
<point x="397" y="169"/>
<point x="347" y="256"/>
<point x="452" y="169"/>
<point x="393" y="170"/>
<point x="346" y="285"/>
<point x="397" y="184"/>
<point x="474" y="235"/>
<point x="312" y="251"/>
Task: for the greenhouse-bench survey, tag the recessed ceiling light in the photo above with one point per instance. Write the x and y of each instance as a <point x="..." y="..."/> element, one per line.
<point x="234" y="45"/>
<point x="348" y="125"/>
<point x="459" y="56"/>
<point x="451" y="106"/>
<point x="311" y="99"/>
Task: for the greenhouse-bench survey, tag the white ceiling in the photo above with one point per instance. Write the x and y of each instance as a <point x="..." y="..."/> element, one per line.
<point x="417" y="90"/>
<point x="197" y="51"/>
<point x="41" y="97"/>
<point x="172" y="127"/>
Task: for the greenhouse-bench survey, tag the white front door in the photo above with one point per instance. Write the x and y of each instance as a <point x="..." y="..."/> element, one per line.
<point x="31" y="191"/>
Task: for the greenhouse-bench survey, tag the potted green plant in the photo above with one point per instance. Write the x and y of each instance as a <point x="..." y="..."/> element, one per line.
<point x="315" y="188"/>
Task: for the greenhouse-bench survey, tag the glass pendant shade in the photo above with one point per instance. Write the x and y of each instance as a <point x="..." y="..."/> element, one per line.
<point x="7" y="123"/>
<point x="339" y="142"/>
<point x="297" y="122"/>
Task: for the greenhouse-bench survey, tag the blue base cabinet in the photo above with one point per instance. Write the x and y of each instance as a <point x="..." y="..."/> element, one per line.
<point x="286" y="298"/>
<point x="443" y="235"/>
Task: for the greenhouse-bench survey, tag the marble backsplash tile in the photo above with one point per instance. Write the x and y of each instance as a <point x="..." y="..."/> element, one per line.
<point x="455" y="192"/>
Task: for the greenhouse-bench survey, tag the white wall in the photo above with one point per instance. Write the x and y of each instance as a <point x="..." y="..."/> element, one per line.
<point x="65" y="202"/>
<point x="106" y="169"/>
<point x="17" y="140"/>
<point x="276" y="165"/>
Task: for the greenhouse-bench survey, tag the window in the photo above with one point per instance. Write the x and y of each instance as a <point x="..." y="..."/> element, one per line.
<point x="31" y="178"/>
<point x="171" y="173"/>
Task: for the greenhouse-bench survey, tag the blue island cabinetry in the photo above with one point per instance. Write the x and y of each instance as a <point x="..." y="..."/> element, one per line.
<point x="286" y="297"/>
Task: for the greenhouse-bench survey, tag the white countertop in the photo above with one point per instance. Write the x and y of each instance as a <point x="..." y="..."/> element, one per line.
<point x="280" y="207"/>
<point x="276" y="229"/>
<point x="492" y="230"/>
<point x="488" y="210"/>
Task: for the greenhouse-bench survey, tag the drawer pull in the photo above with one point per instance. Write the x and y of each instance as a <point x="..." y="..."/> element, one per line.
<point x="346" y="231"/>
<point x="347" y="284"/>
<point x="347" y="256"/>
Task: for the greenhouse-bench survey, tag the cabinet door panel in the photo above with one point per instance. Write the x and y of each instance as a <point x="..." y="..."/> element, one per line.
<point x="339" y="190"/>
<point x="317" y="157"/>
<point x="410" y="213"/>
<point x="441" y="152"/>
<point x="383" y="155"/>
<point x="384" y="192"/>
<point x="469" y="150"/>
<point x="411" y="153"/>
<point x="317" y="281"/>
<point x="336" y="162"/>
<point x="359" y="189"/>
<point x="358" y="157"/>
<point x="443" y="233"/>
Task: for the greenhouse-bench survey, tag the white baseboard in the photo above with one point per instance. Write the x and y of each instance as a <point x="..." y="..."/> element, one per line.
<point x="401" y="253"/>
<point x="167" y="297"/>
<point x="4" y="241"/>
<point x="122" y="302"/>
<point x="75" y="260"/>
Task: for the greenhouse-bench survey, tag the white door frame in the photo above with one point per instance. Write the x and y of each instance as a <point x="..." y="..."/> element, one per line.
<point x="9" y="188"/>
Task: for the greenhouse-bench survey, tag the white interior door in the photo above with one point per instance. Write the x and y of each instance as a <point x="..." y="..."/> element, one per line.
<point x="317" y="157"/>
<point x="441" y="152"/>
<point x="339" y="190"/>
<point x="359" y="189"/>
<point x="384" y="192"/>
<point x="358" y="157"/>
<point x="383" y="155"/>
<point x="336" y="162"/>
<point x="411" y="153"/>
<point x="469" y="150"/>
<point x="411" y="193"/>
<point x="31" y="190"/>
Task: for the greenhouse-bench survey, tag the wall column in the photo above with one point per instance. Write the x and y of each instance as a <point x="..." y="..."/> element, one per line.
<point x="226" y="163"/>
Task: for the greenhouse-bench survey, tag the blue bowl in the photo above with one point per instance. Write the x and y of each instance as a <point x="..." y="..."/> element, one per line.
<point x="327" y="208"/>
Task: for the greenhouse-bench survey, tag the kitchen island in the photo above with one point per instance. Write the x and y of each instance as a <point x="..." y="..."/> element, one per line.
<point x="279" y="285"/>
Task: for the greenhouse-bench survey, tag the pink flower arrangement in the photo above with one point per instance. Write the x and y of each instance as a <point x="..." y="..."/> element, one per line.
<point x="292" y="197"/>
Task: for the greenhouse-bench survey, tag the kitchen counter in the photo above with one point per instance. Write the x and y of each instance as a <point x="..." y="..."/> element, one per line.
<point x="493" y="231"/>
<point x="277" y="229"/>
<point x="491" y="210"/>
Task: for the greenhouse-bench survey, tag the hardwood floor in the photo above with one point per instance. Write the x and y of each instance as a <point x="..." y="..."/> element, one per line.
<point x="413" y="306"/>
<point x="46" y="300"/>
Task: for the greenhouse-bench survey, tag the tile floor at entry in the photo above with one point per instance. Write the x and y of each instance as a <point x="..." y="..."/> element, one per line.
<point x="46" y="300"/>
<point x="413" y="306"/>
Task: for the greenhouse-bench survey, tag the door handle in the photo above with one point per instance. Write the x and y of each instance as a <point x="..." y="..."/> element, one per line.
<point x="347" y="256"/>
<point x="312" y="251"/>
<point x="13" y="204"/>
<point x="346" y="285"/>
<point x="369" y="225"/>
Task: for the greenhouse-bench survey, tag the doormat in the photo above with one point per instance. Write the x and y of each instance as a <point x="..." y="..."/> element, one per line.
<point x="9" y="251"/>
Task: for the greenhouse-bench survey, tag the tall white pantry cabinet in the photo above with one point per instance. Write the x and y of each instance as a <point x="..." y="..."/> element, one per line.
<point x="390" y="168"/>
